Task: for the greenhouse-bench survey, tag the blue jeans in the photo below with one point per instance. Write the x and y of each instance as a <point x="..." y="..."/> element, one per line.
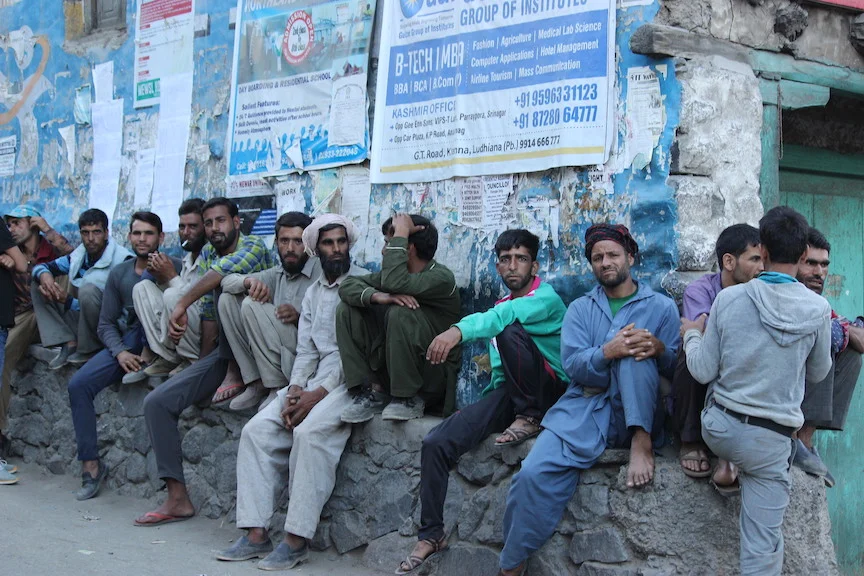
<point x="4" y="333"/>
<point x="98" y="373"/>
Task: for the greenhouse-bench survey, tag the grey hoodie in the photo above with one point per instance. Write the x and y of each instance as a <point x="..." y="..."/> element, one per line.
<point x="761" y="342"/>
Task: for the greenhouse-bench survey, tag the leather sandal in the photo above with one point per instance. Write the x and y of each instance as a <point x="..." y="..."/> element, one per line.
<point x="413" y="562"/>
<point x="519" y="435"/>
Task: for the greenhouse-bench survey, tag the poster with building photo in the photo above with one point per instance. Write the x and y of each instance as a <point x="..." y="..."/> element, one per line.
<point x="299" y="97"/>
<point x="164" y="32"/>
<point x="492" y="87"/>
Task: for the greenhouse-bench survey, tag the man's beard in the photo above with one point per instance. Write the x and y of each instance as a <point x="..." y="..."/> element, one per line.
<point x="813" y="283"/>
<point x="194" y="244"/>
<point x="296" y="266"/>
<point x="334" y="267"/>
<point x="619" y="279"/>
<point x="227" y="242"/>
<point x="517" y="283"/>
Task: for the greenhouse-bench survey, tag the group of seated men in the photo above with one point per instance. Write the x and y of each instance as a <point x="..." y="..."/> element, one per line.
<point x="317" y="344"/>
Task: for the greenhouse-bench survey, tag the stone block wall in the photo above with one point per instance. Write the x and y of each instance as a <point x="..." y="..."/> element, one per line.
<point x="674" y="526"/>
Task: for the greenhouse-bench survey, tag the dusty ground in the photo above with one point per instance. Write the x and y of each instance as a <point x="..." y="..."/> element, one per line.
<point x="44" y="530"/>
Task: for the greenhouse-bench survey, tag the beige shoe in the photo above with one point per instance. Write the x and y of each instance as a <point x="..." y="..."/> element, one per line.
<point x="250" y="397"/>
<point x="160" y="367"/>
<point x="180" y="367"/>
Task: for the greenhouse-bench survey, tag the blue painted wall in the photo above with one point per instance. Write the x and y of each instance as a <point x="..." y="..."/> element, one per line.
<point x="641" y="198"/>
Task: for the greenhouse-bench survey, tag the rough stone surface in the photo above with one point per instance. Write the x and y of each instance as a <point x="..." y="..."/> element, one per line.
<point x="856" y="34"/>
<point x="791" y="22"/>
<point x="674" y="526"/>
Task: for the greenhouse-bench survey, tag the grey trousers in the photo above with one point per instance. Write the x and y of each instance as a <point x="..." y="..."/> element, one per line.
<point x="58" y="325"/>
<point x="162" y="408"/>
<point x="307" y="458"/>
<point x="826" y="403"/>
<point x="263" y="346"/>
<point x="153" y="308"/>
<point x="763" y="457"/>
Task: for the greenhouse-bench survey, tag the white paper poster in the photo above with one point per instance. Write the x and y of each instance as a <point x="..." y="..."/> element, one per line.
<point x="144" y="177"/>
<point x="356" y="191"/>
<point x="172" y="140"/>
<point x="103" y="81"/>
<point x="68" y="135"/>
<point x="496" y="190"/>
<point x="492" y="87"/>
<point x="8" y="146"/>
<point x="163" y="46"/>
<point x="470" y="202"/>
<point x="107" y="155"/>
<point x="644" y="115"/>
<point x="289" y="197"/>
<point x="348" y="110"/>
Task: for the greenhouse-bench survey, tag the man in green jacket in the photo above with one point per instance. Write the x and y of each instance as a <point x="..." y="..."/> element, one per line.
<point x="524" y="333"/>
<point x="386" y="322"/>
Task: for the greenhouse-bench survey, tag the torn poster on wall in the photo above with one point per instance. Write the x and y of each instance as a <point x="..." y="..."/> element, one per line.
<point x="163" y="45"/>
<point x="172" y="140"/>
<point x="107" y="155"/>
<point x="644" y="116"/>
<point x="482" y="201"/>
<point x="298" y="99"/>
<point x="496" y="88"/>
<point x="8" y="146"/>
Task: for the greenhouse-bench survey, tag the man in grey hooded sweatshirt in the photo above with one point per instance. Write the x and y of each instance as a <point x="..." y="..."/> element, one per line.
<point x="762" y="341"/>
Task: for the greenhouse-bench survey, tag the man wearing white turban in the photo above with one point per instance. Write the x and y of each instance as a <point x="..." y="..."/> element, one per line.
<point x="299" y="437"/>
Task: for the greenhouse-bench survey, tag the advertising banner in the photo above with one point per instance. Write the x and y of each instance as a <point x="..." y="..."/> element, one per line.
<point x="299" y="88"/>
<point x="478" y="87"/>
<point x="165" y="30"/>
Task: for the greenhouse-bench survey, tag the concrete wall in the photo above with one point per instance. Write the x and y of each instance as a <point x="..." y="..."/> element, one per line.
<point x="47" y="40"/>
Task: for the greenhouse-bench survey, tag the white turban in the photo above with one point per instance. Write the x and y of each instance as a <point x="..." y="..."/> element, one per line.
<point x="310" y="234"/>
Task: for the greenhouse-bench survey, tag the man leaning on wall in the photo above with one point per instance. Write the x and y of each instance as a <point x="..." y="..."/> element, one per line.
<point x="69" y="317"/>
<point x="40" y="244"/>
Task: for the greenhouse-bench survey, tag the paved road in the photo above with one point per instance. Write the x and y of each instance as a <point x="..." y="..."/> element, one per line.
<point x="45" y="531"/>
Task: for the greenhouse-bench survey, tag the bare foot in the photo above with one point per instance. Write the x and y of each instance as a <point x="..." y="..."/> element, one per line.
<point x="176" y="507"/>
<point x="257" y="535"/>
<point x="517" y="571"/>
<point x="522" y="429"/>
<point x="640" y="471"/>
<point x="693" y="457"/>
<point x="725" y="474"/>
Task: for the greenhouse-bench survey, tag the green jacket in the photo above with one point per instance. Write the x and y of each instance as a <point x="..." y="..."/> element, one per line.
<point x="541" y="313"/>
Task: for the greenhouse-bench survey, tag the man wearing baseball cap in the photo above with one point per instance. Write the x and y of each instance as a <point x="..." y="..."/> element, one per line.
<point x="40" y="244"/>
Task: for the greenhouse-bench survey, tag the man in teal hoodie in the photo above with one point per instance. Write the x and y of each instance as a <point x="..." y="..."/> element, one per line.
<point x="524" y="334"/>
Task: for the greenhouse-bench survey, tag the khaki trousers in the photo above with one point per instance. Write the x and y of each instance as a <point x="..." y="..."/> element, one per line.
<point x="307" y="457"/>
<point x="154" y="307"/>
<point x="263" y="346"/>
<point x="19" y="338"/>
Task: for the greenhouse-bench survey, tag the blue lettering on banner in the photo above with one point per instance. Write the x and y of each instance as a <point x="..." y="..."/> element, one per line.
<point x="553" y="49"/>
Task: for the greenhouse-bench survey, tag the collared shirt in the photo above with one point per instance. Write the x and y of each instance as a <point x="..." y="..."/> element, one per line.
<point x="700" y="295"/>
<point x="318" y="362"/>
<point x="250" y="256"/>
<point x="284" y="288"/>
<point x="51" y="246"/>
<point x="189" y="274"/>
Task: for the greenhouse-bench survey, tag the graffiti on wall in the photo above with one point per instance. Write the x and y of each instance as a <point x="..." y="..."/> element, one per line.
<point x="21" y="89"/>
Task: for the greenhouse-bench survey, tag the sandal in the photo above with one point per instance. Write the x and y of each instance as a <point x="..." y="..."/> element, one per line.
<point x="695" y="456"/>
<point x="412" y="562"/>
<point x="519" y="435"/>
<point x="726" y="490"/>
<point x="227" y="392"/>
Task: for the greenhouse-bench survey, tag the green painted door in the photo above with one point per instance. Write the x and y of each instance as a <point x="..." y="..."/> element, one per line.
<point x="827" y="189"/>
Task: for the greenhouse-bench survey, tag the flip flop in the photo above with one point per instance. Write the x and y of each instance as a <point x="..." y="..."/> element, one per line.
<point x="726" y="490"/>
<point x="229" y="392"/>
<point x="160" y="519"/>
<point x="693" y="456"/>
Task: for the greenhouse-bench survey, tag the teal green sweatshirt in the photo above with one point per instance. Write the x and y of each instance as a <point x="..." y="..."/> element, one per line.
<point x="541" y="313"/>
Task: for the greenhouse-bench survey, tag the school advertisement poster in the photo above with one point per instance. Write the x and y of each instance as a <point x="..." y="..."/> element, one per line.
<point x="480" y="87"/>
<point x="299" y="86"/>
<point x="164" y="32"/>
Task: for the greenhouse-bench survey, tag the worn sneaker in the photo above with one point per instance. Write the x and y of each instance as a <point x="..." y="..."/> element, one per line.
<point x="132" y="377"/>
<point x="7" y="477"/>
<point x="62" y="357"/>
<point x="404" y="409"/>
<point x="284" y="557"/>
<point x="367" y="403"/>
<point x="11" y="468"/>
<point x="243" y="549"/>
<point x="78" y="358"/>
<point x="160" y="367"/>
<point x="829" y="480"/>
<point x="90" y="485"/>
<point x="809" y="460"/>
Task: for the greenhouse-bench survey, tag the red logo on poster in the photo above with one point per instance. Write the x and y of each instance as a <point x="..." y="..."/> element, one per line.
<point x="298" y="38"/>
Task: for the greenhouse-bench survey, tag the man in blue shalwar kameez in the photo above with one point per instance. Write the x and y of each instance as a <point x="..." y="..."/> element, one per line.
<point x="615" y="342"/>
